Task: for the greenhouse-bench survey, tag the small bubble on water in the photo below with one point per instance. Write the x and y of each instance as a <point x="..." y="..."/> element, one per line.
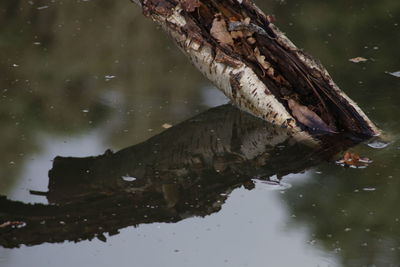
<point x="337" y="250"/>
<point x="312" y="242"/>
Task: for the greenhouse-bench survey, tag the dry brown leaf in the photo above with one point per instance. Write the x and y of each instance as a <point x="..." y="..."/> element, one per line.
<point x="247" y="20"/>
<point x="237" y="34"/>
<point x="190" y="5"/>
<point x="353" y="160"/>
<point x="271" y="18"/>
<point x="220" y="32"/>
<point x="307" y="117"/>
<point x="358" y="59"/>
<point x="261" y="59"/>
<point x="251" y="40"/>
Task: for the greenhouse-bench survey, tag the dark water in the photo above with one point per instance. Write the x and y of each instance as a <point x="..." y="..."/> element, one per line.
<point x="81" y="77"/>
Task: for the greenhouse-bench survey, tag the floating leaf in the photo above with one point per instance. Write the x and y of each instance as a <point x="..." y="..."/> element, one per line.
<point x="358" y="59"/>
<point x="190" y="5"/>
<point x="353" y="160"/>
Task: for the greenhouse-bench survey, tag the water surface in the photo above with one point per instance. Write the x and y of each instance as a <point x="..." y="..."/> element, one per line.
<point x="81" y="77"/>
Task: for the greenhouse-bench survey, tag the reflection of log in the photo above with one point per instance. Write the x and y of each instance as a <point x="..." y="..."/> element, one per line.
<point x="237" y="47"/>
<point x="176" y="178"/>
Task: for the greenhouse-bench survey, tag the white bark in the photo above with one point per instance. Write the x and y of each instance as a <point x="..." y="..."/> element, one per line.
<point x="238" y="81"/>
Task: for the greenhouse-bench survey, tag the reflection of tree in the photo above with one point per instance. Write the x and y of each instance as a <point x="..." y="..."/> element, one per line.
<point x="96" y="34"/>
<point x="172" y="178"/>
<point x="342" y="215"/>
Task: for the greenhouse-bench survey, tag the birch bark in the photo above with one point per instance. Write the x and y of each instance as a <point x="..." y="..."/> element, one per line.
<point x="236" y="46"/>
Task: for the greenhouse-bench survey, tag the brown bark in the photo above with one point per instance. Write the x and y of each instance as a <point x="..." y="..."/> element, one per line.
<point x="235" y="45"/>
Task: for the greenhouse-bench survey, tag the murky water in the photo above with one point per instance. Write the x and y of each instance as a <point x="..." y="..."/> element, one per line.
<point x="81" y="77"/>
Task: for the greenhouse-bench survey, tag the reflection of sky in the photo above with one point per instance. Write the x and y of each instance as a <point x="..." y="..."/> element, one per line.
<point x="250" y="230"/>
<point x="252" y="227"/>
<point x="213" y="97"/>
<point x="35" y="172"/>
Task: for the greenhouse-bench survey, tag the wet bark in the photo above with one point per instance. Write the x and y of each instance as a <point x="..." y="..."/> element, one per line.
<point x="237" y="46"/>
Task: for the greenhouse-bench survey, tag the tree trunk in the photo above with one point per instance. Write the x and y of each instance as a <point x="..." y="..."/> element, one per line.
<point x="235" y="45"/>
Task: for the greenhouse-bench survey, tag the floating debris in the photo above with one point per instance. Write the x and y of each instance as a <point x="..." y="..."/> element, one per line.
<point x="109" y="77"/>
<point x="369" y="189"/>
<point x="358" y="59"/>
<point x="128" y="178"/>
<point x="312" y="242"/>
<point x="166" y="125"/>
<point x="42" y="7"/>
<point x="378" y="144"/>
<point x="353" y="160"/>
<point x="16" y="224"/>
<point x="275" y="185"/>
<point x="395" y="74"/>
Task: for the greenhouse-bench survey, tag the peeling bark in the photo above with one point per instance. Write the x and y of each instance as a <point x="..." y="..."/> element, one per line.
<point x="235" y="45"/>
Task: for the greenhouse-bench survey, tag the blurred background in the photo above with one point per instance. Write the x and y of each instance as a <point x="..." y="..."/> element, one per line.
<point x="79" y="77"/>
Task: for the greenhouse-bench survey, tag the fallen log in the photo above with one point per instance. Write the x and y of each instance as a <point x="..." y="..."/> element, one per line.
<point x="236" y="46"/>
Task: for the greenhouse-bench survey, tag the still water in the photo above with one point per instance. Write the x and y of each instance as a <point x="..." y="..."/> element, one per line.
<point x="116" y="152"/>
